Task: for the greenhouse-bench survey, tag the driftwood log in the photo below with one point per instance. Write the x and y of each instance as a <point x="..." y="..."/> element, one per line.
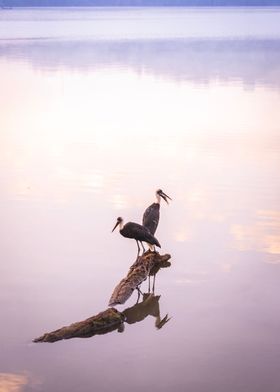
<point x="146" y="265"/>
<point x="111" y="319"/>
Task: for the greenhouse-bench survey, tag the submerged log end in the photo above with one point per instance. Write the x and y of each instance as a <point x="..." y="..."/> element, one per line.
<point x="47" y="337"/>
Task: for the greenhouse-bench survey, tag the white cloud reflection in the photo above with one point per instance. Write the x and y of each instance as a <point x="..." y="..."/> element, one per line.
<point x="263" y="235"/>
<point x="12" y="382"/>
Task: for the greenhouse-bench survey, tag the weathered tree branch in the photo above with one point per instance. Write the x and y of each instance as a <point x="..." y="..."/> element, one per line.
<point x="147" y="264"/>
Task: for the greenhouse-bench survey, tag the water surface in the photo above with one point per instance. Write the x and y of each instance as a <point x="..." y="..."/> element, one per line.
<point x="93" y="120"/>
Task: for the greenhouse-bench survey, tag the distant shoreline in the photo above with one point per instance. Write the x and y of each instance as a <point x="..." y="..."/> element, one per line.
<point x="142" y="6"/>
<point x="10" y="4"/>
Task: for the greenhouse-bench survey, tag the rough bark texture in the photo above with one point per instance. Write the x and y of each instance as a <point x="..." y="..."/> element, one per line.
<point x="102" y="323"/>
<point x="147" y="264"/>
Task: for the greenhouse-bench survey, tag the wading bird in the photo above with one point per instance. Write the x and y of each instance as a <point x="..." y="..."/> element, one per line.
<point x="151" y="214"/>
<point x="136" y="232"/>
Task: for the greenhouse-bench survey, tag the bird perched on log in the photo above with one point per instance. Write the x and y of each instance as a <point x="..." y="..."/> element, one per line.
<point x="137" y="232"/>
<point x="151" y="214"/>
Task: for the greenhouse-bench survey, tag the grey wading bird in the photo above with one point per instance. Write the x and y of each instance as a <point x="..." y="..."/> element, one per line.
<point x="136" y="232"/>
<point x="151" y="214"/>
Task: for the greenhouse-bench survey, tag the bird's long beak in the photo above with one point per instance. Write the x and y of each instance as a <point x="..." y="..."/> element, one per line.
<point x="116" y="225"/>
<point x="165" y="197"/>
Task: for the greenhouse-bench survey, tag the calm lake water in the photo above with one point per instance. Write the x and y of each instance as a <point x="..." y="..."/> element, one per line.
<point x="98" y="109"/>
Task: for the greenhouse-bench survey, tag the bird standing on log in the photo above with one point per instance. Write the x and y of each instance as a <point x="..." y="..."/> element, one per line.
<point x="136" y="232"/>
<point x="151" y="214"/>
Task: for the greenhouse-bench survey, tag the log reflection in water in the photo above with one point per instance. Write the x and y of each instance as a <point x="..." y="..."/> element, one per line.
<point x="100" y="324"/>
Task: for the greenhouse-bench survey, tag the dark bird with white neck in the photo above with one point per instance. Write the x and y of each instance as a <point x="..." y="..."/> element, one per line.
<point x="136" y="232"/>
<point x="151" y="214"/>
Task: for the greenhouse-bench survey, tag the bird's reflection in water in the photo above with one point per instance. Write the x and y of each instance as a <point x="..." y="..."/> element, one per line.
<point x="149" y="306"/>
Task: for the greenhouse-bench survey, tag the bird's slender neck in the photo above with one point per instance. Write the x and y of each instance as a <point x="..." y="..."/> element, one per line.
<point x="158" y="198"/>
<point x="120" y="225"/>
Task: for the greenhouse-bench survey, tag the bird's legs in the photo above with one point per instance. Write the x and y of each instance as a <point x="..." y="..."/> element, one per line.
<point x="154" y="281"/>
<point x="138" y="297"/>
<point x="149" y="287"/>
<point x="138" y="247"/>
<point x="142" y="246"/>
<point x="139" y="292"/>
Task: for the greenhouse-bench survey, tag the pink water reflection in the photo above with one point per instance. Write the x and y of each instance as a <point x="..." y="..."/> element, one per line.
<point x="79" y="149"/>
